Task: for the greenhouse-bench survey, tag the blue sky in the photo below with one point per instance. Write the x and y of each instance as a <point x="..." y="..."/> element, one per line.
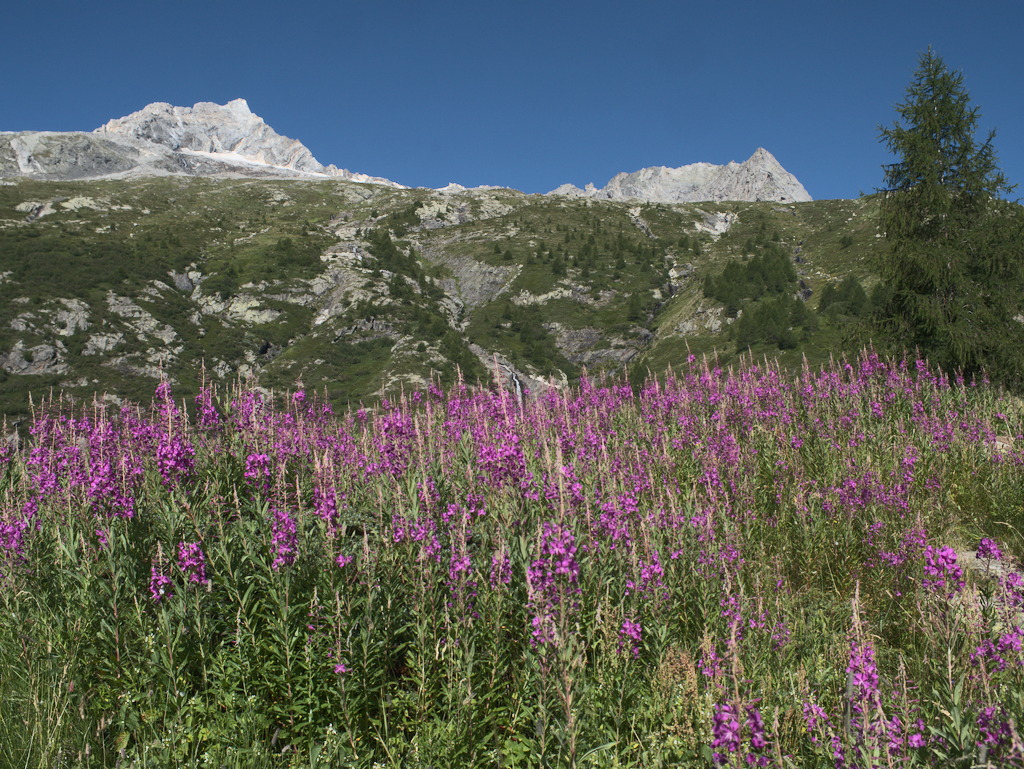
<point x="526" y="94"/>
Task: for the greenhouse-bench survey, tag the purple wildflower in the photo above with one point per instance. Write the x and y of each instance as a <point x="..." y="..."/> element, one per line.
<point x="864" y="673"/>
<point x="162" y="398"/>
<point x="993" y="727"/>
<point x="325" y="503"/>
<point x="989" y="549"/>
<point x="501" y="570"/>
<point x="284" y="539"/>
<point x="160" y="585"/>
<point x="206" y="412"/>
<point x="942" y="569"/>
<point x="758" y="738"/>
<point x="814" y="716"/>
<point x="257" y="469"/>
<point x="175" y="459"/>
<point x="725" y="730"/>
<point x="192" y="562"/>
<point x="631" y="634"/>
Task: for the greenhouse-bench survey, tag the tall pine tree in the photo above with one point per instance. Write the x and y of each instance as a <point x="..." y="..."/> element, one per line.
<point x="955" y="263"/>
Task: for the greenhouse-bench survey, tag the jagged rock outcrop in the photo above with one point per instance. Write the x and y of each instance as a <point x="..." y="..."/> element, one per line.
<point x="760" y="177"/>
<point x="475" y="282"/>
<point x="231" y="128"/>
<point x="41" y="359"/>
<point x="206" y="139"/>
<point x="55" y="155"/>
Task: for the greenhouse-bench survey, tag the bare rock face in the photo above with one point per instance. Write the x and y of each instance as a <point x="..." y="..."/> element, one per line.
<point x="72" y="155"/>
<point x="213" y="128"/>
<point x="760" y="177"/>
<point x="474" y="282"/>
<point x="206" y="139"/>
<point x="40" y="359"/>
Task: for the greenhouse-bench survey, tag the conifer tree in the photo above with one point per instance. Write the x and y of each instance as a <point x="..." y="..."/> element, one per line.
<point x="954" y="263"/>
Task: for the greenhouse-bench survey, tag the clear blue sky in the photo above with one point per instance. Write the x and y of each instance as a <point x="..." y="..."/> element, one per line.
<point x="526" y="94"/>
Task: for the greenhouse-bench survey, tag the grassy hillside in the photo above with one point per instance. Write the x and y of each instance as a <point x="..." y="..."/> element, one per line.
<point x="364" y="290"/>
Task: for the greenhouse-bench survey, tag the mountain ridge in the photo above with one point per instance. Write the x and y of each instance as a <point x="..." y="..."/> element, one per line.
<point x="229" y="140"/>
<point x="207" y="139"/>
<point x="759" y="178"/>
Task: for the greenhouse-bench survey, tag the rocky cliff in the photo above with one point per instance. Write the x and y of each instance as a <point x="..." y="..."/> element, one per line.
<point x="760" y="178"/>
<point x="206" y="139"/>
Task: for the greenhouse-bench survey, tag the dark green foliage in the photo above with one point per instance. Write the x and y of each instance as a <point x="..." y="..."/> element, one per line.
<point x="520" y="331"/>
<point x="389" y="256"/>
<point x="346" y="353"/>
<point x="767" y="274"/>
<point x="454" y="348"/>
<point x="780" y="321"/>
<point x="635" y="309"/>
<point x="955" y="261"/>
<point x="849" y="299"/>
<point x="402" y="220"/>
<point x="65" y="262"/>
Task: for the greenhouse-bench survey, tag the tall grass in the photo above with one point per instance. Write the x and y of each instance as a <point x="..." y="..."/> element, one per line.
<point x="725" y="567"/>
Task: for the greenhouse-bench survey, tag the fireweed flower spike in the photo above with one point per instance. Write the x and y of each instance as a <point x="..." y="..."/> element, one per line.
<point x="729" y="738"/>
<point x="257" y="470"/>
<point x="989" y="549"/>
<point x="160" y="585"/>
<point x="942" y="570"/>
<point x="207" y="416"/>
<point x="284" y="540"/>
<point x="552" y="581"/>
<point x="725" y="731"/>
<point x="631" y="636"/>
<point x="192" y="563"/>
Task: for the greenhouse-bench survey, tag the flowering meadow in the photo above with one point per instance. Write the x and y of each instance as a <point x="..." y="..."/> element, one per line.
<point x="723" y="568"/>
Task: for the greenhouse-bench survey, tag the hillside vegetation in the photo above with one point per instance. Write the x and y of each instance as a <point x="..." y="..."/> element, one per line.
<point x="362" y="290"/>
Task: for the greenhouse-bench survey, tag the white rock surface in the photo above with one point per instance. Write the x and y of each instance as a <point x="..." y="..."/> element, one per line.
<point x="760" y="177"/>
<point x="206" y="139"/>
<point x="229" y="133"/>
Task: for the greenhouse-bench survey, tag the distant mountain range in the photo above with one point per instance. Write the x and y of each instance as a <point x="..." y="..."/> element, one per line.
<point x="230" y="141"/>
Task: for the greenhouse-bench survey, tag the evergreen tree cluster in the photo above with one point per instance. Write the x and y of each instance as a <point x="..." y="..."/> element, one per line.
<point x="847" y="299"/>
<point x="761" y="292"/>
<point x="782" y="321"/>
<point x="523" y="327"/>
<point x="389" y="256"/>
<point x="769" y="273"/>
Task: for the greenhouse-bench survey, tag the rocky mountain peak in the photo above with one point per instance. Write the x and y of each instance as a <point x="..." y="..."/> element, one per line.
<point x="206" y="127"/>
<point x="760" y="177"/>
<point x="206" y="139"/>
<point x="239" y="105"/>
